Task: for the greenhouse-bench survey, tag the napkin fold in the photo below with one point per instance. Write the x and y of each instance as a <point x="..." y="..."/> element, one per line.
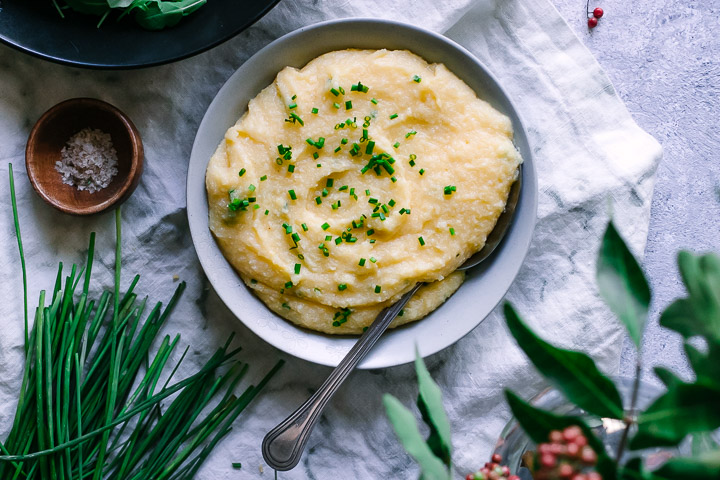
<point x="593" y="161"/>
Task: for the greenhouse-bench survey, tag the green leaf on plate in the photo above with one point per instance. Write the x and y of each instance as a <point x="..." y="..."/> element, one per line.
<point x="622" y="283"/>
<point x="433" y="413"/>
<point x="699" y="313"/>
<point x="684" y="408"/>
<point x="573" y="373"/>
<point x="538" y="424"/>
<point x="703" y="467"/>
<point x="403" y="423"/>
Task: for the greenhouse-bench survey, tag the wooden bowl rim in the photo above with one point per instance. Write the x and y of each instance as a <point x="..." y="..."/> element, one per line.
<point x="129" y="182"/>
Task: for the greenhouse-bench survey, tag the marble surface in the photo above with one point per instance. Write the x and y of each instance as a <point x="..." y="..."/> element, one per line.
<point x="661" y="56"/>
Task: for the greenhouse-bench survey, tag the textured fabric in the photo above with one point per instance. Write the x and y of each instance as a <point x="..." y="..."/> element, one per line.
<point x="592" y="161"/>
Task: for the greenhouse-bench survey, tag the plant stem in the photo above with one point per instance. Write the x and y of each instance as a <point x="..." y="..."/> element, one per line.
<point x="630" y="419"/>
<point x="20" y="249"/>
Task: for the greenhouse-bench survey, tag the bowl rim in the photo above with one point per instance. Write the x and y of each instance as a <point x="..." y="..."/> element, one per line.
<point x="331" y="349"/>
<point x="130" y="181"/>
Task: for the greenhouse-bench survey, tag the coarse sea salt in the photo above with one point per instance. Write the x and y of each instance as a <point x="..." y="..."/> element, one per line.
<point x="88" y="160"/>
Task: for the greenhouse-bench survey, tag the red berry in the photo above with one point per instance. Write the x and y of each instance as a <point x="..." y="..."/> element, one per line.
<point x="581" y="441"/>
<point x="592" y="22"/>
<point x="593" y="476"/>
<point x="580" y="476"/>
<point x="556" y="436"/>
<point x="497" y="458"/>
<point x="588" y="456"/>
<point x="566" y="470"/>
<point x="544" y="448"/>
<point x="505" y="470"/>
<point x="571" y="433"/>
<point x="573" y="449"/>
<point x="598" y="12"/>
<point x="548" y="461"/>
<point x="470" y="476"/>
<point x="513" y="477"/>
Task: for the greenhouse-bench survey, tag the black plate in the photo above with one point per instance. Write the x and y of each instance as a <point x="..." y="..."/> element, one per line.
<point x="35" y="27"/>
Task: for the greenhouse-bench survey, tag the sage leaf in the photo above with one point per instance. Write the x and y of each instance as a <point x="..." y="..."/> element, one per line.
<point x="573" y="373"/>
<point x="699" y="313"/>
<point x="684" y="408"/>
<point x="406" y="429"/>
<point x="433" y="413"/>
<point x="622" y="283"/>
<point x="705" y="366"/>
<point x="538" y="424"/>
<point x="703" y="467"/>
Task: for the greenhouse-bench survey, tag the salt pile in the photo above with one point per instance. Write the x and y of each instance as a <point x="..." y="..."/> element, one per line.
<point x="88" y="161"/>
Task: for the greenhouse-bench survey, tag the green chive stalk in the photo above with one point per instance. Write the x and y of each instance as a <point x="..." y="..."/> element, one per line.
<point x="97" y="402"/>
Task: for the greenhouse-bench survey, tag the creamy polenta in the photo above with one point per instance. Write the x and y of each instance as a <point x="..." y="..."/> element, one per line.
<point x="350" y="180"/>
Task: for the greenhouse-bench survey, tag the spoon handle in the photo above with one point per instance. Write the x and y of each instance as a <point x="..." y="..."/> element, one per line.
<point x="282" y="447"/>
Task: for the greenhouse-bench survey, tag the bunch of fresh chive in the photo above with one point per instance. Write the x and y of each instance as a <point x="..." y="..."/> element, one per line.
<point x="95" y="403"/>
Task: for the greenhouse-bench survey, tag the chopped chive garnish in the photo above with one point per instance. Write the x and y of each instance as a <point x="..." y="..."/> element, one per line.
<point x="416" y="79"/>
<point x="325" y="226"/>
<point x="422" y="170"/>
<point x="295" y="237"/>
<point x="344" y="141"/>
<point x="291" y="168"/>
<point x="338" y="240"/>
<point x="288" y="284"/>
<point x="391" y="202"/>
<point x="329" y="183"/>
<point x="378" y="288"/>
<point x="338" y="149"/>
<point x="393" y="116"/>
<point x="373" y="101"/>
<point x="336" y="105"/>
<point x="367" y="192"/>
<point x="256" y="207"/>
<point x="373" y="200"/>
<point x="324" y="192"/>
<point x="452" y="231"/>
<point x="318" y="200"/>
<point x="344" y="187"/>
<point x="315" y="111"/>
<point x="295" y="118"/>
<point x="288" y="228"/>
<point x="285" y="305"/>
<point x="384" y="208"/>
<point x="293" y="97"/>
<point x="319" y="165"/>
<point x="267" y="212"/>
<point x="396" y="144"/>
<point x="403" y="210"/>
<point x="342" y="286"/>
<point x="361" y="262"/>
<point x="292" y="194"/>
<point x="348" y="105"/>
<point x="297" y="268"/>
<point x="449" y="189"/>
<point x="412" y="163"/>
<point x="373" y="259"/>
<point x="410" y="133"/>
<point x="334" y="91"/>
<point x="369" y="148"/>
<point x="304" y="227"/>
<point x="421" y="240"/>
<point x="365" y="133"/>
<point x="335" y="205"/>
<point x="370" y="232"/>
<point x="292" y="106"/>
<point x="263" y="178"/>
<point x="237" y="465"/>
<point x="242" y="172"/>
<point x="393" y="179"/>
<point x="328" y="238"/>
<point x="251" y="187"/>
<point x="315" y="155"/>
<point x="342" y="90"/>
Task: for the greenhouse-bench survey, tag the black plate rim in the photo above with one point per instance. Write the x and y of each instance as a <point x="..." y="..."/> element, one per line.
<point x="130" y="65"/>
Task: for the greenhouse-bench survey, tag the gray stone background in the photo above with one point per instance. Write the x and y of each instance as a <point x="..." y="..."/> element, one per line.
<point x="662" y="57"/>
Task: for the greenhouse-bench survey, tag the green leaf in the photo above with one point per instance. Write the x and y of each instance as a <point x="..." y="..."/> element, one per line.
<point x="684" y="408"/>
<point x="538" y="424"/>
<point x="403" y="423"/>
<point x="667" y="377"/>
<point x="433" y="413"/>
<point x="151" y="17"/>
<point x="573" y="373"/>
<point x="119" y="3"/>
<point x="706" y="366"/>
<point x="633" y="470"/>
<point x="699" y="313"/>
<point x="703" y="442"/>
<point x="622" y="283"/>
<point x="703" y="467"/>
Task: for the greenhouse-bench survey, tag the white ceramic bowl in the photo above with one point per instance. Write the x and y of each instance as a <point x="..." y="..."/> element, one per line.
<point x="485" y="285"/>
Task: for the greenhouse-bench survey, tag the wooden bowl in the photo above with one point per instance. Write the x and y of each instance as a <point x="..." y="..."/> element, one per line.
<point x="51" y="133"/>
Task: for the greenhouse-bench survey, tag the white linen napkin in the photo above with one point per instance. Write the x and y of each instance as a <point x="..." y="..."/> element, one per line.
<point x="592" y="160"/>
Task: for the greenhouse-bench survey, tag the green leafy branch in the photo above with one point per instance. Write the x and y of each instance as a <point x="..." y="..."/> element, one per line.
<point x="149" y="14"/>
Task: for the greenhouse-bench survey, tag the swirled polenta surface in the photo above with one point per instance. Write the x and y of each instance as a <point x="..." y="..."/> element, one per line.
<point x="350" y="180"/>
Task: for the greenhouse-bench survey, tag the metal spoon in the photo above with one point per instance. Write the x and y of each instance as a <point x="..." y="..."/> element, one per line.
<point x="283" y="446"/>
